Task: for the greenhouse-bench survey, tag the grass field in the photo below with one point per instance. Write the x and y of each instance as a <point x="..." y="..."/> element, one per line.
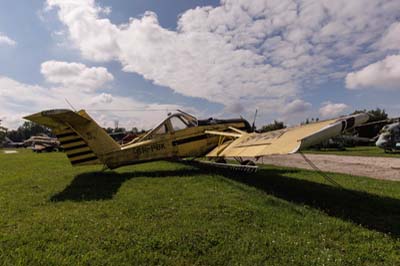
<point x="165" y="213"/>
<point x="357" y="151"/>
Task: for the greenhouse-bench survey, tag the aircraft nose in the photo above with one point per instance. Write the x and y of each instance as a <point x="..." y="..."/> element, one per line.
<point x="382" y="141"/>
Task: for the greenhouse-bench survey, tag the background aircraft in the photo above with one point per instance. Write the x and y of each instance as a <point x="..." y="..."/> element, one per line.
<point x="42" y="143"/>
<point x="389" y="138"/>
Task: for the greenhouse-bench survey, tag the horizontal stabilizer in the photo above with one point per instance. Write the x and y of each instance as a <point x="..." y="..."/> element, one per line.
<point x="83" y="140"/>
<point x="57" y="118"/>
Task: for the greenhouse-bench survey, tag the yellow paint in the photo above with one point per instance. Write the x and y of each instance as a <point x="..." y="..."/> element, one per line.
<point x="283" y="141"/>
<point x="85" y="142"/>
<point x="83" y="139"/>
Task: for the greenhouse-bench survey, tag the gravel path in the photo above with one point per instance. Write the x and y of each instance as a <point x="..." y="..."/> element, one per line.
<point x="375" y="167"/>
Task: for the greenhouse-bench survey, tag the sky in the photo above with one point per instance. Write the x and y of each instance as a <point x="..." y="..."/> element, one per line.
<point x="132" y="62"/>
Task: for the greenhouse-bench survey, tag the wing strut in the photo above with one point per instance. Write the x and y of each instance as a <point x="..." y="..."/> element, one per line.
<point x="320" y="172"/>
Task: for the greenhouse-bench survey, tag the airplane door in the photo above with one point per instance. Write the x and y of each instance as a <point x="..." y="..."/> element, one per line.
<point x="181" y="137"/>
<point x="174" y="145"/>
<point x="172" y="138"/>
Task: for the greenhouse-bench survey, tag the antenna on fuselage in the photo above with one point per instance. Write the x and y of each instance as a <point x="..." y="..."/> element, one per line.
<point x="253" y="127"/>
<point x="70" y="104"/>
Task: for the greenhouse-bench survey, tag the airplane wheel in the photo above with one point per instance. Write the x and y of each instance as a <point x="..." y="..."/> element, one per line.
<point x="248" y="162"/>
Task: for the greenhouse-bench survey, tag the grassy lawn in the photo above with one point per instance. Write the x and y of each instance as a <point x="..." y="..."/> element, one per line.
<point x="167" y="213"/>
<point x="357" y="151"/>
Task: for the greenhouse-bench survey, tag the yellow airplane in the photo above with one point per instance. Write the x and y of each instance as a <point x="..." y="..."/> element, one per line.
<point x="180" y="136"/>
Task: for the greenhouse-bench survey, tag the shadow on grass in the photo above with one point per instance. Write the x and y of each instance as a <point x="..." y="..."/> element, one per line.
<point x="368" y="210"/>
<point x="104" y="185"/>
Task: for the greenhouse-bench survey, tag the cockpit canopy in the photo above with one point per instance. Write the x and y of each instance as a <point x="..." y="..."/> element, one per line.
<point x="174" y="122"/>
<point x="180" y="121"/>
<point x="391" y="128"/>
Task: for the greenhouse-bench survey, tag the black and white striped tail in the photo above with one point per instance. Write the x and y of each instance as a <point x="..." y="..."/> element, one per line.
<point x="77" y="150"/>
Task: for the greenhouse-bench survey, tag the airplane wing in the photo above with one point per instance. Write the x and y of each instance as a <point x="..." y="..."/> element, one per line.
<point x="283" y="141"/>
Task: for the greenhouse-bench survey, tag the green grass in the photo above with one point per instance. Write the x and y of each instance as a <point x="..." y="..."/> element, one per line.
<point x="357" y="151"/>
<point x="165" y="213"/>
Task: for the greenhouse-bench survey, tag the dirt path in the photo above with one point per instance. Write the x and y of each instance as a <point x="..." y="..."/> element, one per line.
<point x="375" y="167"/>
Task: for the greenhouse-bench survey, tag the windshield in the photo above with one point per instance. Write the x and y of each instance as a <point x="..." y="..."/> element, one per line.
<point x="177" y="123"/>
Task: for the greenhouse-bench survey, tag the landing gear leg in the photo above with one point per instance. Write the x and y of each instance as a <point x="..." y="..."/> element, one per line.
<point x="247" y="162"/>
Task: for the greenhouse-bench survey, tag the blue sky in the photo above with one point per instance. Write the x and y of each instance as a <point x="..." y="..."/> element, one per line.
<point x="288" y="59"/>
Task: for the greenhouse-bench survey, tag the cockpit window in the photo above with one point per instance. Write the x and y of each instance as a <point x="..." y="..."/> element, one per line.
<point x="161" y="130"/>
<point x="177" y="123"/>
<point x="189" y="123"/>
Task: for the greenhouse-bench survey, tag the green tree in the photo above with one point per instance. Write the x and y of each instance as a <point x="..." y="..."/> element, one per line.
<point x="119" y="130"/>
<point x="377" y="114"/>
<point x="372" y="129"/>
<point x="273" y="126"/>
<point x="109" y="130"/>
<point x="374" y="114"/>
<point x="3" y="132"/>
<point x="135" y="130"/>
<point x="27" y="130"/>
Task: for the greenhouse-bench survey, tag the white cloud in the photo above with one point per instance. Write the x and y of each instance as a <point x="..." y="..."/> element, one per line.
<point x="241" y="51"/>
<point x="391" y="38"/>
<point x="6" y="40"/>
<point x="75" y="75"/>
<point x="236" y="108"/>
<point x="329" y="109"/>
<point x="103" y="98"/>
<point x="92" y="35"/>
<point x="19" y="99"/>
<point x="296" y="107"/>
<point x="295" y="110"/>
<point x="383" y="74"/>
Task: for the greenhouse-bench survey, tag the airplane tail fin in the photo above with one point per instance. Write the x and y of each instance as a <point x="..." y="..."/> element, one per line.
<point x="83" y="140"/>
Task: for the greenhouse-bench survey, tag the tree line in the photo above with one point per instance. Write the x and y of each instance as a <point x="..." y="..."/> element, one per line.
<point x="27" y="130"/>
<point x="3" y="133"/>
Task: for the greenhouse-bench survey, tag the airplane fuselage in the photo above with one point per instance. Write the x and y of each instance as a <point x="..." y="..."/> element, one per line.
<point x="189" y="142"/>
